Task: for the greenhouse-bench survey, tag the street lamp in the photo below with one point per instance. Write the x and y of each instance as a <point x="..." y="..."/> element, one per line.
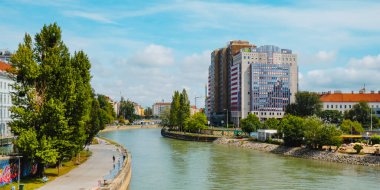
<point x="227" y="117"/>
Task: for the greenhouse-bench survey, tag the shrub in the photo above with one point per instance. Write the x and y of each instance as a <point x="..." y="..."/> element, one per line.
<point x="358" y="148"/>
<point x="375" y="139"/>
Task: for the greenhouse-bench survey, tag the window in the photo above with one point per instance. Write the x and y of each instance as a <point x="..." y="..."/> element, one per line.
<point x="340" y="106"/>
<point x="336" y="106"/>
<point x="345" y="106"/>
<point x="327" y="106"/>
<point x="349" y="106"/>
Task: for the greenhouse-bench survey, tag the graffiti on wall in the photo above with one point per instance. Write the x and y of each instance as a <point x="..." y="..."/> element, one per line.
<point x="9" y="170"/>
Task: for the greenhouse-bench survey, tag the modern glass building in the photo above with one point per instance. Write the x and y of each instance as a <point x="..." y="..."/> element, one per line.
<point x="264" y="81"/>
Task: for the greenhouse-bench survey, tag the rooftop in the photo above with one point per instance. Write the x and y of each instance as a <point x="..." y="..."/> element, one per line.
<point x="350" y="97"/>
<point x="4" y="66"/>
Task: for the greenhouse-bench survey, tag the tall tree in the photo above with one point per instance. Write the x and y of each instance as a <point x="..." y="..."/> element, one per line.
<point x="250" y="124"/>
<point x="361" y="113"/>
<point x="127" y="110"/>
<point x="293" y="128"/>
<point x="331" y="116"/>
<point x="52" y="98"/>
<point x="148" y="112"/>
<point x="351" y="127"/>
<point x="307" y="104"/>
<point x="174" y="109"/>
<point x="184" y="109"/>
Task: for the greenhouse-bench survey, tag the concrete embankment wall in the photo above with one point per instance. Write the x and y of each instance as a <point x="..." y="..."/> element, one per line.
<point x="300" y="152"/>
<point x="187" y="137"/>
<point x="123" y="178"/>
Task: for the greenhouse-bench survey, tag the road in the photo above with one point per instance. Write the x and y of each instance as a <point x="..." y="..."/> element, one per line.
<point x="87" y="175"/>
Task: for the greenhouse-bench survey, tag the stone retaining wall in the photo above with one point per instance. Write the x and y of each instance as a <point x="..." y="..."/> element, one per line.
<point x="368" y="160"/>
<point x="187" y="137"/>
<point x="123" y="178"/>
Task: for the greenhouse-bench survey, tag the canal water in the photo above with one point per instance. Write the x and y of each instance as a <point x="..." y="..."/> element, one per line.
<point x="166" y="164"/>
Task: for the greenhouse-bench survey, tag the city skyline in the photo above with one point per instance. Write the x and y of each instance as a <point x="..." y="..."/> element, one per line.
<point x="146" y="50"/>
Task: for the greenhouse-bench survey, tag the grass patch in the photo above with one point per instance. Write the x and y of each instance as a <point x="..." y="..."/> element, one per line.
<point x="51" y="173"/>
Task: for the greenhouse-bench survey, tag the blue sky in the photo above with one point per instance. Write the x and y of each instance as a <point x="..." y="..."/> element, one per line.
<point x="144" y="50"/>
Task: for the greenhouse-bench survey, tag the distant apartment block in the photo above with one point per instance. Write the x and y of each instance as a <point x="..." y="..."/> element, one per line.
<point x="264" y="81"/>
<point x="5" y="99"/>
<point x="138" y="109"/>
<point x="345" y="101"/>
<point x="159" y="107"/>
<point x="218" y="98"/>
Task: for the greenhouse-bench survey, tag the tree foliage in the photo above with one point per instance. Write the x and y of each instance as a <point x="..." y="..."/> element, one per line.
<point x="52" y="98"/>
<point x="174" y="109"/>
<point x="148" y="112"/>
<point x="127" y="110"/>
<point x="351" y="127"/>
<point x="331" y="116"/>
<point x="375" y="139"/>
<point x="250" y="124"/>
<point x="271" y="123"/>
<point x="196" y="122"/>
<point x="307" y="104"/>
<point x="361" y="113"/>
<point x="184" y="109"/>
<point x="318" y="134"/>
<point x="293" y="128"/>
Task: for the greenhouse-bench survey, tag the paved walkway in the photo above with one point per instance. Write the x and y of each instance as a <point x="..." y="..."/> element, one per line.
<point x="86" y="175"/>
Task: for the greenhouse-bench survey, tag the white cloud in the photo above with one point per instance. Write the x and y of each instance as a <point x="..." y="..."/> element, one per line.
<point x="153" y="55"/>
<point x="367" y="62"/>
<point x="98" y="17"/>
<point x="352" y="76"/>
<point x="326" y="56"/>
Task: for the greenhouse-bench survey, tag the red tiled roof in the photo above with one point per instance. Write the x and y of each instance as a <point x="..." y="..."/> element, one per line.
<point x="350" y="97"/>
<point x="4" y="66"/>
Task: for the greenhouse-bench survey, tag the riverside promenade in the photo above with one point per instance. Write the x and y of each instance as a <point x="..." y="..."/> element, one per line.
<point x="87" y="175"/>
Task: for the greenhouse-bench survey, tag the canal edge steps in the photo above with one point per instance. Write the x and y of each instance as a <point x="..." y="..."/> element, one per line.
<point x="123" y="178"/>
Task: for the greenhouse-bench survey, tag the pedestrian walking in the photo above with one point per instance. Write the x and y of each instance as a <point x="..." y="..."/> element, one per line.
<point x="113" y="158"/>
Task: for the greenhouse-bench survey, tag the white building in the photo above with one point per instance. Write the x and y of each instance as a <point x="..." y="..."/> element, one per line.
<point x="345" y="101"/>
<point x="5" y="55"/>
<point x="5" y="100"/>
<point x="159" y="107"/>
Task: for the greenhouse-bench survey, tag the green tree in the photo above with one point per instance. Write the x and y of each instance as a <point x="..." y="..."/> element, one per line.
<point x="127" y="110"/>
<point x="52" y="98"/>
<point x="148" y="112"/>
<point x="271" y="123"/>
<point x="293" y="128"/>
<point x="331" y="116"/>
<point x="375" y="139"/>
<point x="250" y="124"/>
<point x="358" y="148"/>
<point x="307" y="104"/>
<point x="184" y="109"/>
<point x="108" y="113"/>
<point x="318" y="134"/>
<point x="361" y="113"/>
<point x="95" y="124"/>
<point x="174" y="110"/>
<point x="165" y="117"/>
<point x="351" y="127"/>
<point x="196" y="122"/>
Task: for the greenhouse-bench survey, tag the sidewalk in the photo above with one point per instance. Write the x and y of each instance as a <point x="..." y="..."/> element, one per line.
<point x="87" y="175"/>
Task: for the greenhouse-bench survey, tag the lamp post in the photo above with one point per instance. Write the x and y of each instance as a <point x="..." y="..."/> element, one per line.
<point x="227" y="117"/>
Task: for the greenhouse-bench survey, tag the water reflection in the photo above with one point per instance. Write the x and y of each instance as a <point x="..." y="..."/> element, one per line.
<point x="161" y="163"/>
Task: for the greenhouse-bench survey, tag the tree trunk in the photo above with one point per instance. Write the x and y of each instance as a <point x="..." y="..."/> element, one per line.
<point x="40" y="170"/>
<point x="59" y="165"/>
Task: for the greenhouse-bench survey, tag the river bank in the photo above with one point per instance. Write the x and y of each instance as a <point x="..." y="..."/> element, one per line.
<point x="126" y="127"/>
<point x="299" y="152"/>
<point x="187" y="136"/>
